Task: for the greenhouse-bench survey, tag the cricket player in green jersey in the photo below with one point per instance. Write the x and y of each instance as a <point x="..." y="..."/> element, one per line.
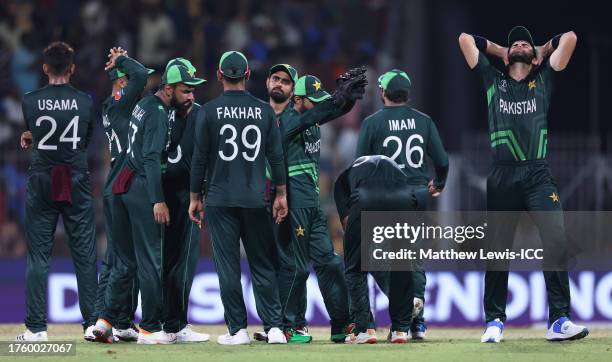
<point x="140" y="210"/>
<point x="304" y="237"/>
<point x="60" y="121"/>
<point x="406" y="135"/>
<point x="129" y="79"/>
<point x="235" y="134"/>
<point x="182" y="236"/>
<point x="374" y="183"/>
<point x="517" y="102"/>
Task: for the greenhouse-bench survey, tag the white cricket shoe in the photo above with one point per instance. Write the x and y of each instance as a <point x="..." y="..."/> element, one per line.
<point x="88" y="334"/>
<point x="127" y="335"/>
<point x="494" y="332"/>
<point x="564" y="330"/>
<point x="261" y="336"/>
<point x="276" y="336"/>
<point x="28" y="336"/>
<point x="417" y="307"/>
<point x="241" y="337"/>
<point x="418" y="331"/>
<point x="103" y="331"/>
<point x="188" y="335"/>
<point x="161" y="337"/>
<point x="368" y="337"/>
<point x="397" y="337"/>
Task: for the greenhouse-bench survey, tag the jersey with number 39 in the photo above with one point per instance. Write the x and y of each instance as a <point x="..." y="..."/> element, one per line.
<point x="406" y="136"/>
<point x="235" y="134"/>
<point x="60" y="119"/>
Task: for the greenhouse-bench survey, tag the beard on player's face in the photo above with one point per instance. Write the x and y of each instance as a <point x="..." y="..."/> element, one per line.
<point x="175" y="102"/>
<point x="277" y="95"/>
<point x="520" y="56"/>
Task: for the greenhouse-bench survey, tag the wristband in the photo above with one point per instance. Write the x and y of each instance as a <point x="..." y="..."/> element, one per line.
<point x="481" y="43"/>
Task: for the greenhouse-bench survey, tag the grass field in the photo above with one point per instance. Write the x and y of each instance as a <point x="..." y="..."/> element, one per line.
<point x="442" y="345"/>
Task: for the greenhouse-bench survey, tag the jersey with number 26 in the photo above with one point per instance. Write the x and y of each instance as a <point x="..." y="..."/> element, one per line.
<point x="406" y="136"/>
<point x="60" y="119"/>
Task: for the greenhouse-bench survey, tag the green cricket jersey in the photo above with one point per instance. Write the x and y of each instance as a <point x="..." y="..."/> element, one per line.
<point x="376" y="178"/>
<point x="179" y="158"/>
<point x="301" y="144"/>
<point x="517" y="111"/>
<point x="147" y="143"/>
<point x="406" y="136"/>
<point x="60" y="119"/>
<point x="235" y="134"/>
<point x="116" y="112"/>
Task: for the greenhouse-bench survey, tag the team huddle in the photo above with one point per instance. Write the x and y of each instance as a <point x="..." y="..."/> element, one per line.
<point x="249" y="170"/>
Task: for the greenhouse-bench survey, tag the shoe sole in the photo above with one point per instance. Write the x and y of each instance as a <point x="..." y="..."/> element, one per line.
<point x="582" y="334"/>
<point x="400" y="341"/>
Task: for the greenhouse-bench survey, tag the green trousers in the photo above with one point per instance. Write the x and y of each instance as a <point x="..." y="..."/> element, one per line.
<point x="227" y="226"/>
<point x="129" y="293"/>
<point x="138" y="244"/>
<point x="181" y="252"/>
<point x="518" y="187"/>
<point x="399" y="284"/>
<point x="42" y="214"/>
<point x="304" y="239"/>
<point x="419" y="278"/>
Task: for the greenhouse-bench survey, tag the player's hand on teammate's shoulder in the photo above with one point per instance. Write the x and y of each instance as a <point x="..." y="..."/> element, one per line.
<point x="161" y="213"/>
<point x="26" y="140"/>
<point x="433" y="190"/>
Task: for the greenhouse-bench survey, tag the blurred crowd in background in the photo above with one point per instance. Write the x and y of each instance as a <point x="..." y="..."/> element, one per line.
<point x="320" y="37"/>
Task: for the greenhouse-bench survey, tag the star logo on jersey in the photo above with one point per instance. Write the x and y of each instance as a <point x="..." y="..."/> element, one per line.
<point x="554" y="197"/>
<point x="299" y="231"/>
<point x="532" y="84"/>
<point x="316" y="85"/>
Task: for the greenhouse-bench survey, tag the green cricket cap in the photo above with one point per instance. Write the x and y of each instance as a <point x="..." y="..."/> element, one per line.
<point x="233" y="64"/>
<point x="394" y="80"/>
<point x="182" y="61"/>
<point x="117" y="73"/>
<point x="293" y="74"/>
<point x="180" y="74"/>
<point x="521" y="33"/>
<point x="310" y="86"/>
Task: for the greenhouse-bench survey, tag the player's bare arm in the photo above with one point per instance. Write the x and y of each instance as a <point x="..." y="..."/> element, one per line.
<point x="470" y="49"/>
<point x="280" y="208"/>
<point x="196" y="209"/>
<point x="26" y="140"/>
<point x="161" y="213"/>
<point x="562" y="47"/>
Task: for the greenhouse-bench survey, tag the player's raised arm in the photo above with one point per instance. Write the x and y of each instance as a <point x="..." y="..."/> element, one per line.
<point x="560" y="48"/>
<point x="472" y="45"/>
<point x="137" y="75"/>
<point x="468" y="47"/>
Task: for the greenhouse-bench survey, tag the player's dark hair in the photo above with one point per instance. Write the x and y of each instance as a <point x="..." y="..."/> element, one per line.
<point x="398" y="96"/>
<point x="232" y="80"/>
<point x="58" y="56"/>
